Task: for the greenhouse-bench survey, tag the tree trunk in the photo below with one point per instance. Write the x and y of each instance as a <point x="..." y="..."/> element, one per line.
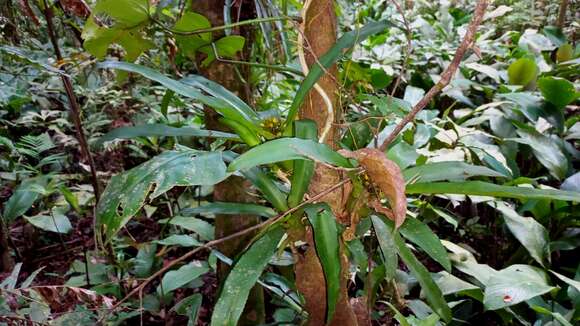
<point x="319" y="36"/>
<point x="234" y="189"/>
<point x="10" y="29"/>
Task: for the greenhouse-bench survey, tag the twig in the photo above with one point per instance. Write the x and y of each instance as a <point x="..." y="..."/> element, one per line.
<point x="408" y="49"/>
<point x="222" y="27"/>
<point x="74" y="105"/>
<point x="446" y="76"/>
<point x="210" y="244"/>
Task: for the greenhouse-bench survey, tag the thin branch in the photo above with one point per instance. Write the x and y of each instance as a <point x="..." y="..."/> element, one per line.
<point x="222" y="27"/>
<point x="447" y="75"/>
<point x="213" y="243"/>
<point x="408" y="48"/>
<point x="73" y="103"/>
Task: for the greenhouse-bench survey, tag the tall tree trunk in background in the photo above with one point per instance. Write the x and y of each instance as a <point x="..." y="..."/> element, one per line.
<point x="10" y="31"/>
<point x="562" y="14"/>
<point x="319" y="36"/>
<point x="234" y="189"/>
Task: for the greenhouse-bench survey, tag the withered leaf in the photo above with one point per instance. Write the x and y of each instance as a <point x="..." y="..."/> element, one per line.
<point x="387" y="176"/>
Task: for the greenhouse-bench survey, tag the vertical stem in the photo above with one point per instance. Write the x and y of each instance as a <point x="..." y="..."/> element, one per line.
<point x="562" y="14"/>
<point x="73" y="103"/>
<point x="6" y="261"/>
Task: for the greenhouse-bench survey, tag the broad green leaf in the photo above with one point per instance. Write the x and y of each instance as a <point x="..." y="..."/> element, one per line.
<point x="572" y="183"/>
<point x="573" y="283"/>
<point x="268" y="187"/>
<point x="23" y="197"/>
<point x="514" y="284"/>
<point x="303" y="169"/>
<point x="264" y="182"/>
<point x="326" y="241"/>
<point x="230" y="209"/>
<point x="177" y="278"/>
<point x="97" y="40"/>
<point x="387" y="245"/>
<point x="190" y="22"/>
<point x="565" y="53"/>
<point x="450" y="171"/>
<point x="126" y="193"/>
<point x="286" y="149"/>
<point x="189" y="307"/>
<point x="432" y="291"/>
<point x="182" y="240"/>
<point x="546" y="150"/>
<point x="527" y="103"/>
<point x="450" y="284"/>
<point x="126" y="12"/>
<point x="161" y="130"/>
<point x="557" y="91"/>
<point x="204" y="229"/>
<point x="522" y="71"/>
<point x="143" y="263"/>
<point x="226" y="47"/>
<point x="219" y="103"/>
<point x="480" y="188"/>
<point x="56" y="221"/>
<point x="229" y="46"/>
<point x="531" y="234"/>
<point x="421" y="235"/>
<point x="343" y="44"/>
<point x="243" y="277"/>
<point x="555" y="35"/>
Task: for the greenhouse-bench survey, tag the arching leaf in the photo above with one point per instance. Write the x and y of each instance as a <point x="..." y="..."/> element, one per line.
<point x="286" y="149"/>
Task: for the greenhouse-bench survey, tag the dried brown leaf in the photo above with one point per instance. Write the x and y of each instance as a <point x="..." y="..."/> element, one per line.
<point x="387" y="176"/>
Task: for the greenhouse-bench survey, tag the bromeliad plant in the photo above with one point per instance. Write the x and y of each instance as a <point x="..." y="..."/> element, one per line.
<point x="280" y="163"/>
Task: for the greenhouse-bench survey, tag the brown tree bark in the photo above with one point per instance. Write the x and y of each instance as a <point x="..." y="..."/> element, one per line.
<point x="319" y="33"/>
<point x="234" y="189"/>
<point x="10" y="29"/>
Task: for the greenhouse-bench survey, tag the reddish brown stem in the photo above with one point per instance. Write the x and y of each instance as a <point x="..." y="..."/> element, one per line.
<point x="73" y="103"/>
<point x="447" y="75"/>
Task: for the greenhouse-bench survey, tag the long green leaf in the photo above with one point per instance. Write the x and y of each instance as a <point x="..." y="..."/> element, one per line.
<point x="216" y="90"/>
<point x="451" y="171"/>
<point x="222" y="106"/>
<point x="286" y="149"/>
<point x="23" y="198"/>
<point x="177" y="278"/>
<point x="326" y="240"/>
<point x="230" y="209"/>
<point x="387" y="245"/>
<point x="264" y="183"/>
<point x="159" y="129"/>
<point x="303" y="169"/>
<point x="344" y="43"/>
<point x="432" y="291"/>
<point x="421" y="235"/>
<point x="480" y="188"/>
<point x="243" y="276"/>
